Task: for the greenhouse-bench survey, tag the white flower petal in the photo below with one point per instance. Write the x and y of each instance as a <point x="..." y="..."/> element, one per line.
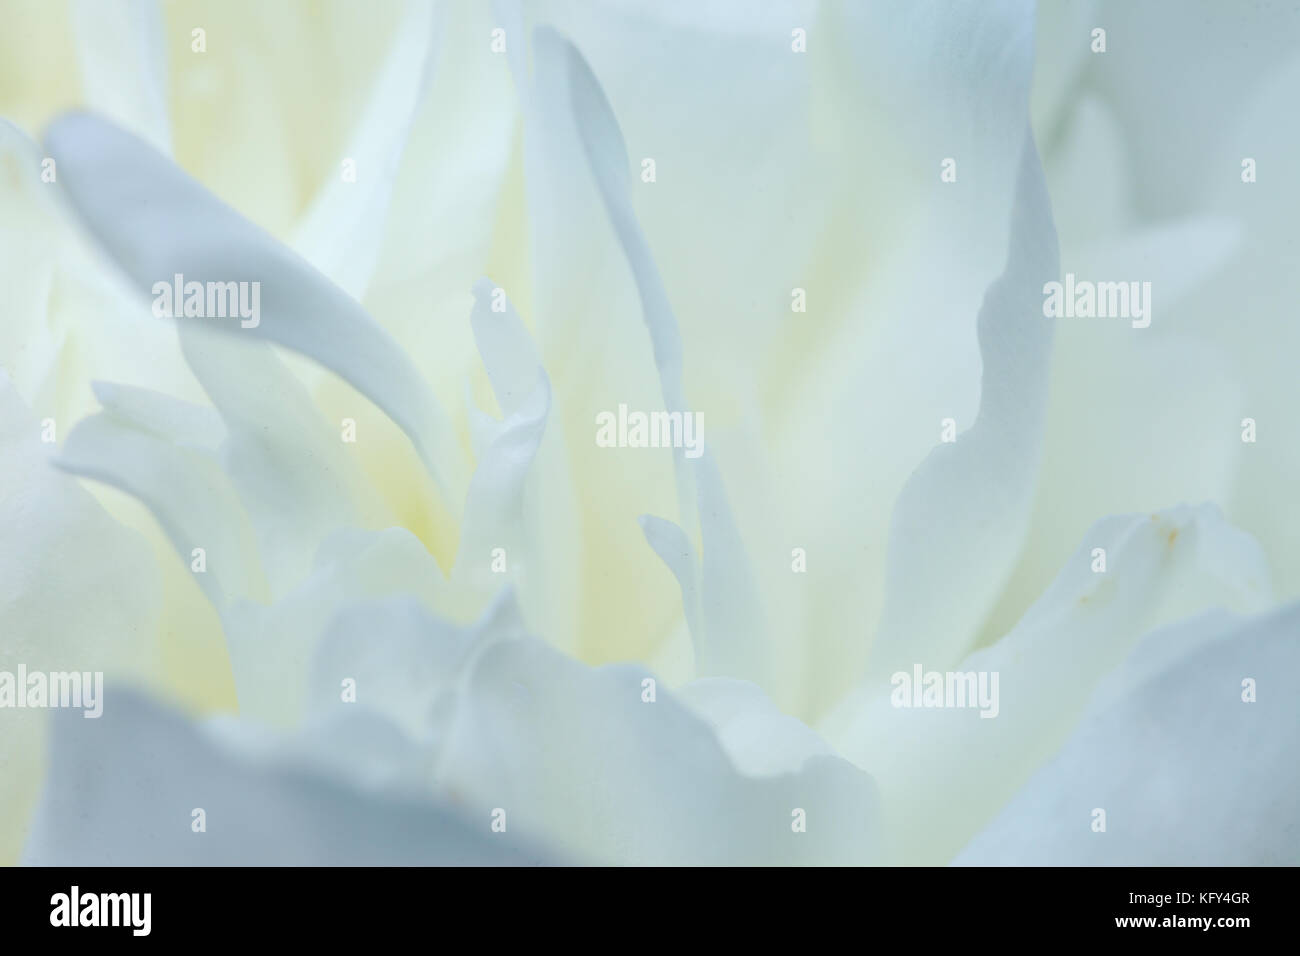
<point x="669" y="541"/>
<point x="401" y="658"/>
<point x="78" y="592"/>
<point x="578" y="758"/>
<point x="1236" y="49"/>
<point x="1175" y="257"/>
<point x="962" y="515"/>
<point x="891" y="345"/>
<point x="122" y="789"/>
<point x="155" y="222"/>
<point x="1159" y="568"/>
<point x="1187" y="772"/>
<point x="192" y="427"/>
<point x="1062" y="44"/>
<point x="342" y="232"/>
<point x="407" y="664"/>
<point x="158" y="450"/>
<point x="271" y="647"/>
<point x="733" y="641"/>
<point x="507" y="349"/>
<point x="1257" y="290"/>
<point x="122" y="55"/>
<point x="30" y="345"/>
<point x="496" y="513"/>
<point x="521" y="498"/>
<point x="295" y="477"/>
<point x="758" y="737"/>
<point x="1088" y="176"/>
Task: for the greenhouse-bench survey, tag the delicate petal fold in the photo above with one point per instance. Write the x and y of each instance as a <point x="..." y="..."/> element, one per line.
<point x="588" y="759"/>
<point x="598" y="761"/>
<point x="961" y="518"/>
<point x="156" y="222"/>
<point x="758" y="737"/>
<point x="499" y="533"/>
<point x="294" y="475"/>
<point x="520" y="513"/>
<point x="164" y="452"/>
<point x="271" y="647"/>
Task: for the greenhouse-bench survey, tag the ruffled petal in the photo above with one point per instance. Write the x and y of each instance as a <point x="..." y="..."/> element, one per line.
<point x="591" y="761"/>
<point x="272" y="646"/>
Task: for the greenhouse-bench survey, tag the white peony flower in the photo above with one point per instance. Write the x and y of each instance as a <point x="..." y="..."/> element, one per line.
<point x="472" y="635"/>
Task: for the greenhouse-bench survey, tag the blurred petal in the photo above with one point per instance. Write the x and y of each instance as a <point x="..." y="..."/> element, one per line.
<point x="30" y="345"/>
<point x="1062" y="45"/>
<point x="401" y="658"/>
<point x="122" y="55"/>
<point x="580" y="756"/>
<point x="1169" y="406"/>
<point x="78" y="592"/>
<point x="757" y="736"/>
<point x="1178" y="142"/>
<point x="1257" y="289"/>
<point x="122" y="790"/>
<point x="271" y="647"/>
<point x="1187" y="772"/>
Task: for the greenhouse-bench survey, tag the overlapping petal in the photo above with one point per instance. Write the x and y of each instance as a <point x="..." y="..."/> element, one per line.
<point x="1159" y="568"/>
<point x="1190" y="750"/>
